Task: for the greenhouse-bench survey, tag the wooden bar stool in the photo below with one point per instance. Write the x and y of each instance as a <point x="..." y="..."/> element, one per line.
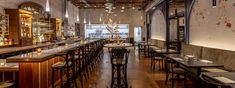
<point x="66" y="67"/>
<point x="119" y="60"/>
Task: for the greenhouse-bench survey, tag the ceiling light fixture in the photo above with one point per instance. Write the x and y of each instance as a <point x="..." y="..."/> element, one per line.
<point x="78" y="19"/>
<point x="66" y="10"/>
<point x="47" y="6"/>
<point x="213" y="3"/>
<point x="133" y="7"/>
<point x="89" y="20"/>
<point x="101" y="17"/>
<point x="123" y="7"/>
<point x="84" y="21"/>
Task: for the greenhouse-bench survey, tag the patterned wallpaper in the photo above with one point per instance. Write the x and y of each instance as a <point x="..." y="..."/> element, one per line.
<point x="213" y="27"/>
<point x="158" y="28"/>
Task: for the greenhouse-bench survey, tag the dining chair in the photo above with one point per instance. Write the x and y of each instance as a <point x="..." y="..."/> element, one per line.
<point x="175" y="71"/>
<point x="119" y="60"/>
<point x="141" y="48"/>
<point x="208" y="82"/>
<point x="66" y="66"/>
<point x="157" y="59"/>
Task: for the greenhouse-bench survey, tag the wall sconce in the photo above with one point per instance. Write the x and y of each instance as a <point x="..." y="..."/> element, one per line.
<point x="213" y="3"/>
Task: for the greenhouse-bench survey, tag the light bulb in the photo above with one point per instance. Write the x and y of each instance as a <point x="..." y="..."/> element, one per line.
<point x="123" y="7"/>
<point x="78" y="19"/>
<point x="47" y="6"/>
<point x="66" y="14"/>
<point x="100" y="19"/>
<point x="84" y="19"/>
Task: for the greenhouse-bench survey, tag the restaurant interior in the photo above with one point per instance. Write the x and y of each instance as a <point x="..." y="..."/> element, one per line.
<point x="117" y="44"/>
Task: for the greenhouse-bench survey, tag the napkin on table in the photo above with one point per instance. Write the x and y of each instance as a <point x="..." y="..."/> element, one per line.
<point x="224" y="79"/>
<point x="206" y="61"/>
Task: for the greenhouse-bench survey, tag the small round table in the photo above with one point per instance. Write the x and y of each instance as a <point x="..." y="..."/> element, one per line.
<point x="115" y="45"/>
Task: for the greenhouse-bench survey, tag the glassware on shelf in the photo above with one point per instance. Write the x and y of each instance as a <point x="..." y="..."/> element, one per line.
<point x="4" y="29"/>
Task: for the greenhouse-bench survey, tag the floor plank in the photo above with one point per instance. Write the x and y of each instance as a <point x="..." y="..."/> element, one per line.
<point x="139" y="74"/>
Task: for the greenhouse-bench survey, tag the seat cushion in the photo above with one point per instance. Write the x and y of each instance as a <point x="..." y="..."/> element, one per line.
<point x="213" y="70"/>
<point x="157" y="58"/>
<point x="80" y="57"/>
<point x="119" y="62"/>
<point x="154" y="47"/>
<point x="6" y="84"/>
<point x="61" y="64"/>
<point x="178" y="70"/>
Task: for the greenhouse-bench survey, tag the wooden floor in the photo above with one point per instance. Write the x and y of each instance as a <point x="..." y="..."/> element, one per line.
<point x="139" y="74"/>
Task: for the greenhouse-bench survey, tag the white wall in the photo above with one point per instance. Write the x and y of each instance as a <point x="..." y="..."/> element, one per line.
<point x="208" y="25"/>
<point x="129" y="16"/>
<point x="158" y="26"/>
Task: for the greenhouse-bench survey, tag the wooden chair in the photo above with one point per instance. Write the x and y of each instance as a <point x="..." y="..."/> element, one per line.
<point x="119" y="60"/>
<point x="208" y="82"/>
<point x="175" y="71"/>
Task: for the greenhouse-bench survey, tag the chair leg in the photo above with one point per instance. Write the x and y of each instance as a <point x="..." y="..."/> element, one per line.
<point x="159" y="64"/>
<point x="154" y="65"/>
<point x="81" y="80"/>
<point x="185" y="79"/>
<point x="61" y="77"/>
<point x="167" y="78"/>
<point x="151" y="63"/>
<point x="74" y="78"/>
<point x="67" y="78"/>
<point x="172" y="77"/>
<point x="112" y="77"/>
<point x="53" y="81"/>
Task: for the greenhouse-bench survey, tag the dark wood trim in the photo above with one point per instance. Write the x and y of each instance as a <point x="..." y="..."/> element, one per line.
<point x="188" y="9"/>
<point x="167" y="24"/>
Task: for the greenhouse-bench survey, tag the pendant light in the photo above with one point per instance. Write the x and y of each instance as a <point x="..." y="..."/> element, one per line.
<point x="84" y="18"/>
<point x="100" y="18"/>
<point x="89" y="20"/>
<point x="78" y="19"/>
<point x="47" y="6"/>
<point x="66" y="10"/>
<point x="213" y="3"/>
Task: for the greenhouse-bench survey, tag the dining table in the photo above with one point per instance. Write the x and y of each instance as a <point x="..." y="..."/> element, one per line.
<point x="118" y="45"/>
<point x="147" y="45"/>
<point x="226" y="78"/>
<point x="193" y="66"/>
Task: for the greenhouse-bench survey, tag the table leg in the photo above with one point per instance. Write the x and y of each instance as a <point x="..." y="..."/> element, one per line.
<point x="144" y="50"/>
<point x="119" y="74"/>
<point x="148" y="50"/>
<point x="198" y="71"/>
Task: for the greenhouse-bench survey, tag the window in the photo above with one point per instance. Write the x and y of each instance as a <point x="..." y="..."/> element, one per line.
<point x="100" y="31"/>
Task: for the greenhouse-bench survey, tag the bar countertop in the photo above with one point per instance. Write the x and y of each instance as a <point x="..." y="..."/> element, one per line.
<point x="15" y="49"/>
<point x="45" y="54"/>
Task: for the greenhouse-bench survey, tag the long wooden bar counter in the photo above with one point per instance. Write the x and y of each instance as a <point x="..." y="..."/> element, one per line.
<point x="16" y="49"/>
<point x="35" y="68"/>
